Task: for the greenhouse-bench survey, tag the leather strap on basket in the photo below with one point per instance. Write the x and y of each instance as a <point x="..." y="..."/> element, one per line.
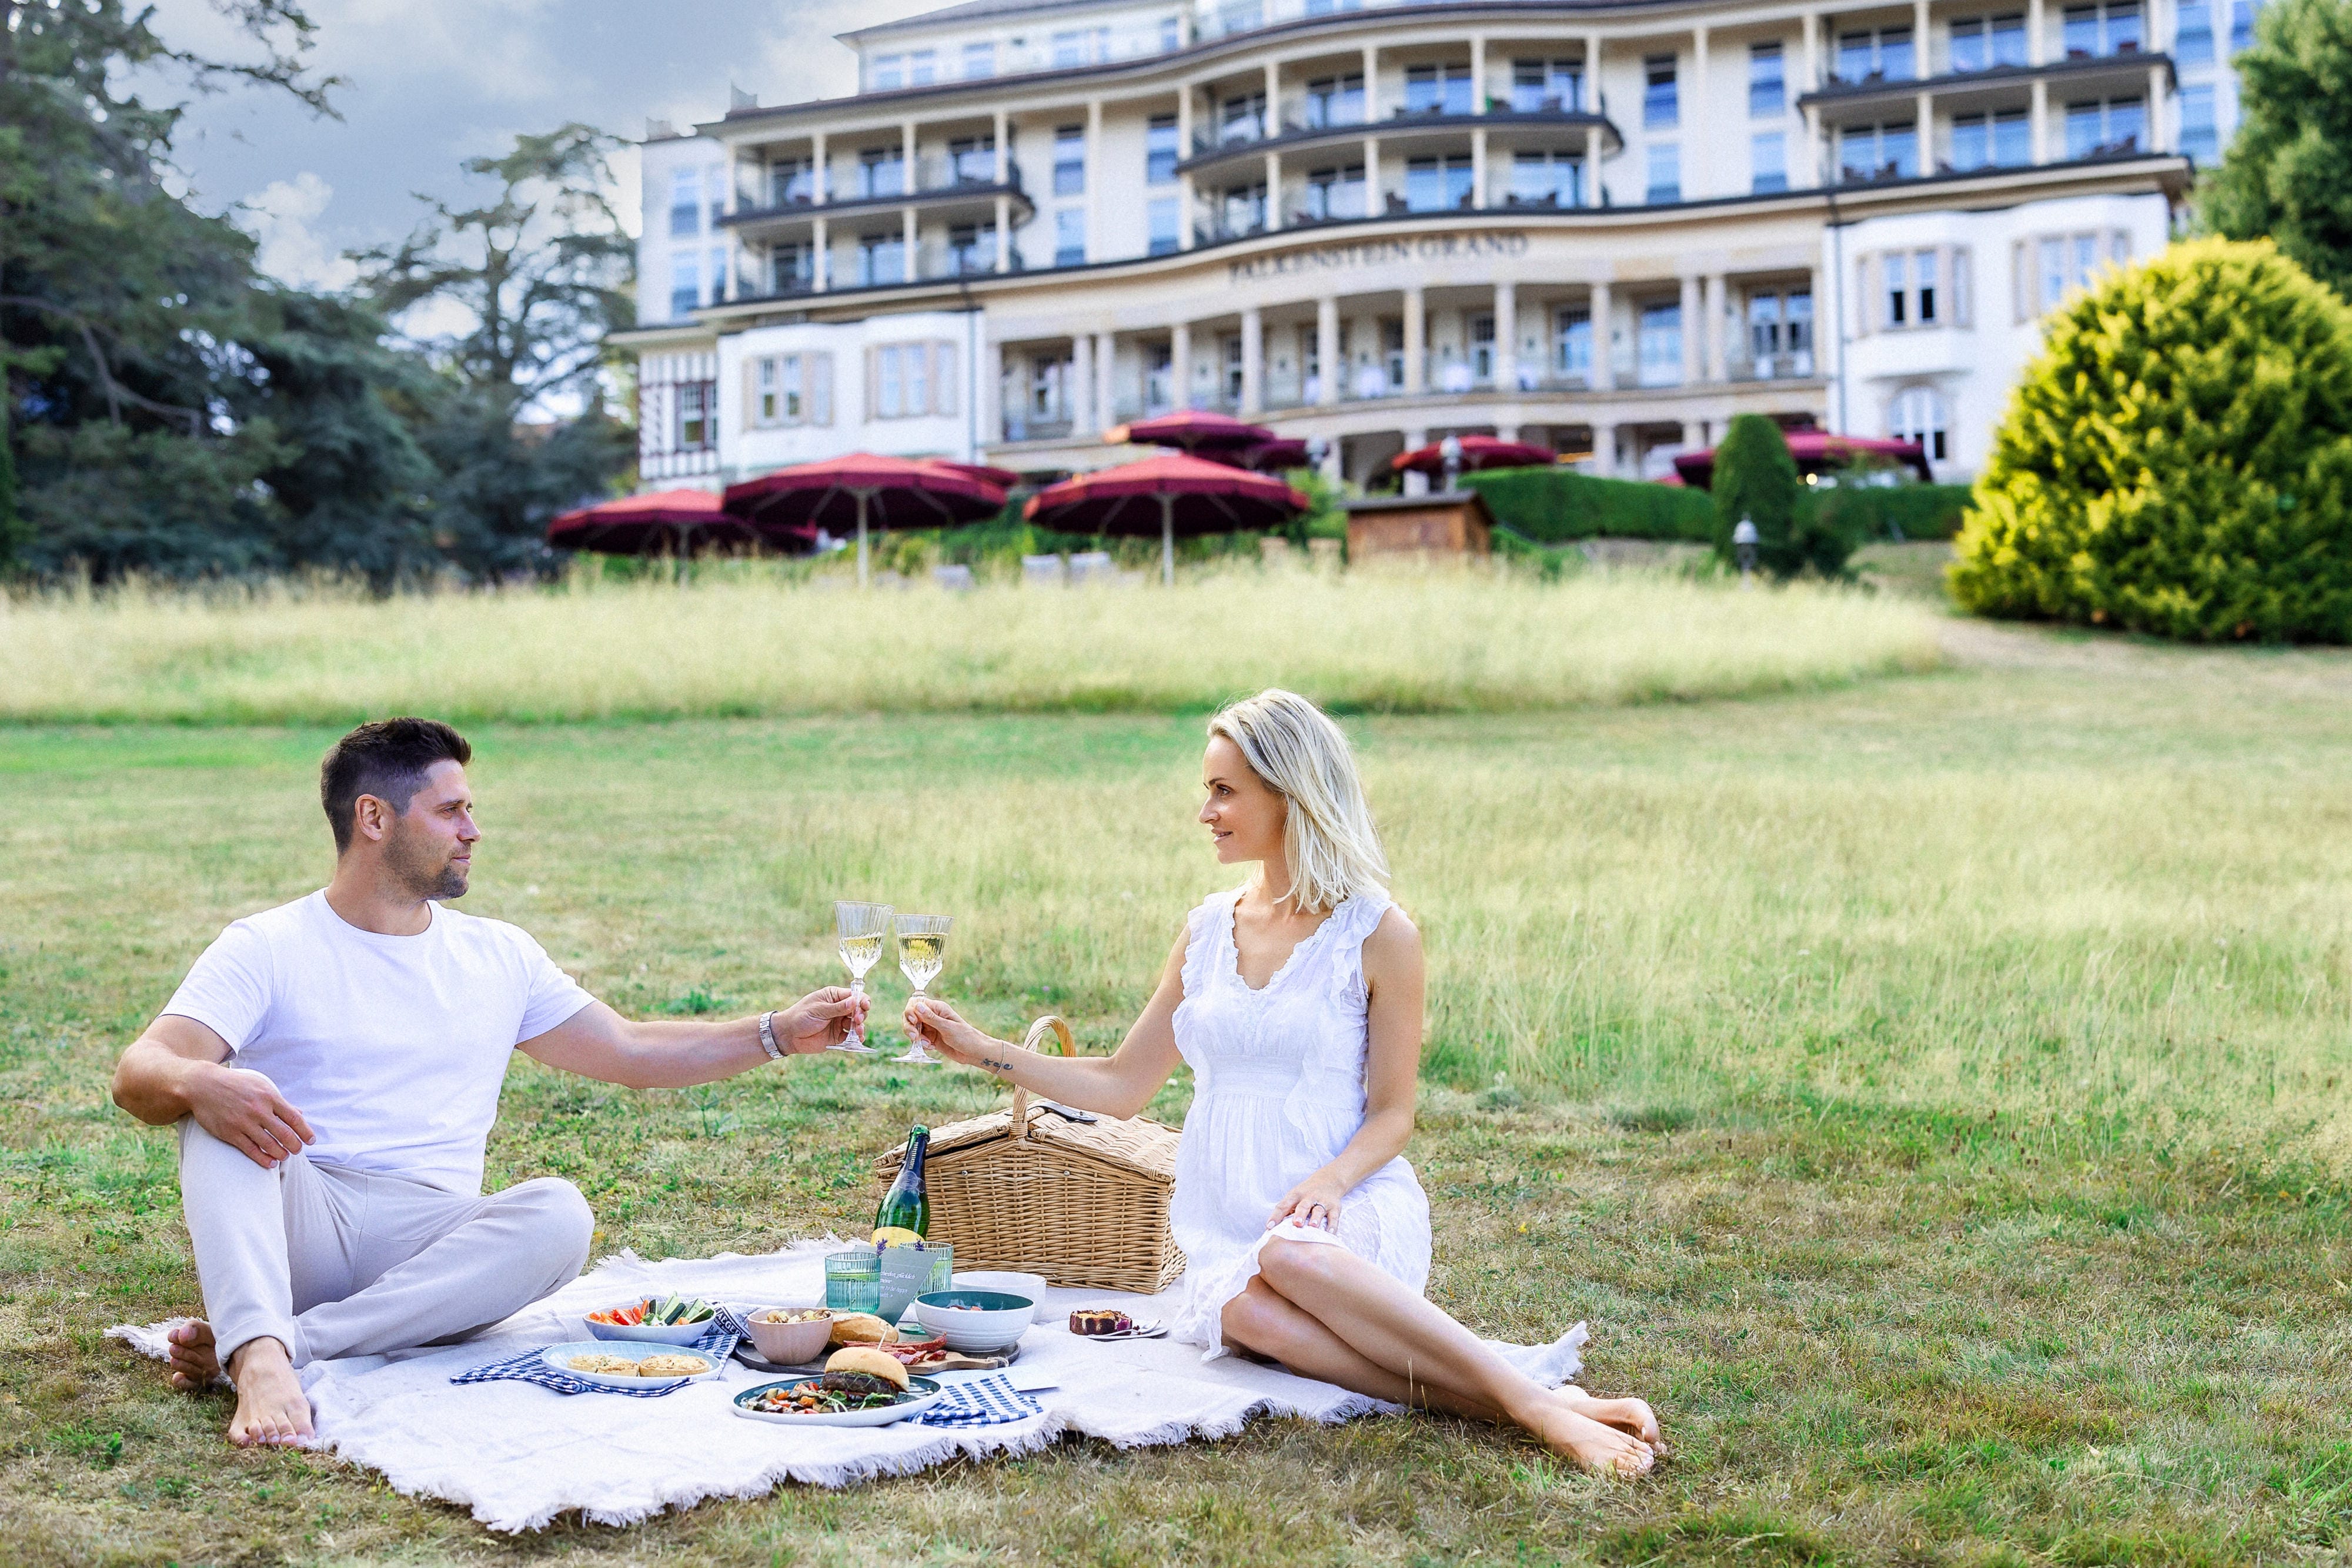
<point x="1049" y="1024"/>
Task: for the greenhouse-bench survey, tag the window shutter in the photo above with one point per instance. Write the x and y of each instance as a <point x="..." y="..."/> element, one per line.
<point x="818" y="368"/>
<point x="944" y="391"/>
<point x="750" y="416"/>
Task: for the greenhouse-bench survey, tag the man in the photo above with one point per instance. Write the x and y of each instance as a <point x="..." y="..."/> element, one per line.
<point x="334" y="1066"/>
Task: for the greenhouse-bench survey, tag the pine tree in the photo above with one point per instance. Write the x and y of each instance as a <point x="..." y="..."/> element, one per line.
<point x="2287" y="176"/>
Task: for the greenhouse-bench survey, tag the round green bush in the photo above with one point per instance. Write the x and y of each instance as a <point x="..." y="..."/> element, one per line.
<point x="2178" y="460"/>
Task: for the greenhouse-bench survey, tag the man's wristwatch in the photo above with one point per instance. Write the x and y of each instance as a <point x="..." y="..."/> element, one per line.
<point x="767" y="1037"/>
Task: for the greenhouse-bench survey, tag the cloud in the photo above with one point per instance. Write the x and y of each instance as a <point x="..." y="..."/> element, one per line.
<point x="280" y="216"/>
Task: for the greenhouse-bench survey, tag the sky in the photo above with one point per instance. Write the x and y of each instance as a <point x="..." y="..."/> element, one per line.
<point x="433" y="82"/>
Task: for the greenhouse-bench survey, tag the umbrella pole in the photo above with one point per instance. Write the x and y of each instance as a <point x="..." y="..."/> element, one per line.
<point x="1167" y="541"/>
<point x="861" y="539"/>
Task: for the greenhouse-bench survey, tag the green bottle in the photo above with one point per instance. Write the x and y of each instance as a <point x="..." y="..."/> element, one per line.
<point x="906" y="1207"/>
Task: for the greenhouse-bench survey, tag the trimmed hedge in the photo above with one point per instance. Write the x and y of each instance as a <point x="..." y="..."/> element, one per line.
<point x="1555" y="505"/>
<point x="1920" y="511"/>
<point x="2178" y="460"/>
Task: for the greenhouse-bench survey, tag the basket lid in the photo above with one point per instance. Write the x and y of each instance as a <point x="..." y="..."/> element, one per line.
<point x="1140" y="1146"/>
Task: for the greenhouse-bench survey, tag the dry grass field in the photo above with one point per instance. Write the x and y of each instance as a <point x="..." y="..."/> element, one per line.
<point x="1931" y="1089"/>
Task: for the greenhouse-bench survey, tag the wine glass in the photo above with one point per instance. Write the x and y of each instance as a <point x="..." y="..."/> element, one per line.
<point x="922" y="950"/>
<point x="861" y="927"/>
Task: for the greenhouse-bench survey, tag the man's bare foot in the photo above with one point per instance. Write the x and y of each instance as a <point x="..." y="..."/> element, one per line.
<point x="1602" y="1450"/>
<point x="195" y="1358"/>
<point x="271" y="1410"/>
<point x="1632" y="1416"/>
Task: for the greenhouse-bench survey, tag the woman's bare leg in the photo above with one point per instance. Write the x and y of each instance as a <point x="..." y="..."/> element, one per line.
<point x="1266" y="1319"/>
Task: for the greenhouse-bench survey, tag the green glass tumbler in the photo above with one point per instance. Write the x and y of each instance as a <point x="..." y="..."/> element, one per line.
<point x="853" y="1281"/>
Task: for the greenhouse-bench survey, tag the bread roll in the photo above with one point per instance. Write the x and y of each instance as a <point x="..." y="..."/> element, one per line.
<point x="861" y="1362"/>
<point x="861" y="1328"/>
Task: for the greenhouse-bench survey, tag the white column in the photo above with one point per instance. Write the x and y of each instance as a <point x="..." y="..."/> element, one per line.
<point x="1179" y="364"/>
<point x="992" y="389"/>
<point x="1416" y="483"/>
<point x="2039" y="116"/>
<point x="1694" y="435"/>
<point x="1604" y="351"/>
<point x="1003" y="233"/>
<point x="1415" y="324"/>
<point x="1478" y="73"/>
<point x="1273" y="188"/>
<point x="1506" y="336"/>
<point x="1105" y="385"/>
<point x="1478" y="167"/>
<point x="906" y="231"/>
<point x="1253" y="361"/>
<point x="1095" y="249"/>
<point x="907" y="149"/>
<point x="1817" y="149"/>
<point x="1712" y="302"/>
<point x="1604" y="449"/>
<point x="1811" y="80"/>
<point x="1374" y="206"/>
<point x="1082" y="385"/>
<point x="820" y="170"/>
<point x="2037" y="25"/>
<point x="821" y="241"/>
<point x="1692" y="328"/>
<point x="1272" y="124"/>
<point x="1183" y="181"/>
<point x="1699" y="147"/>
<point x="2158" y="121"/>
<point x="1371" y="84"/>
<point x="1327" y="353"/>
<point x="1003" y="148"/>
<point x="1920" y="51"/>
<point x="1924" y="112"/>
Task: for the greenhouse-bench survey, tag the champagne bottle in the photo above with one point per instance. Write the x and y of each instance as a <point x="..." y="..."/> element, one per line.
<point x="906" y="1207"/>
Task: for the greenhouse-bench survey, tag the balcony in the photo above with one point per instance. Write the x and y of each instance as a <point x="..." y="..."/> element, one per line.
<point x="1023" y="427"/>
<point x="1251" y="146"/>
<point x="1988" y="83"/>
<point x="942" y="192"/>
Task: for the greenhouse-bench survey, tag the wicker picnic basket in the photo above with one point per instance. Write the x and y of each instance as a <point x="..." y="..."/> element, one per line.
<point x="1081" y="1202"/>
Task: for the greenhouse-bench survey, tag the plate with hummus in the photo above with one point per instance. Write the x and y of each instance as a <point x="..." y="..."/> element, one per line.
<point x="619" y="1364"/>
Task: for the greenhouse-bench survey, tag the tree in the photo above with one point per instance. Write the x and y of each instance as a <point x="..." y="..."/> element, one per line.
<point x="2288" y="174"/>
<point x="541" y="273"/>
<point x="2178" y="458"/>
<point x="122" y="307"/>
<point x="1756" y="481"/>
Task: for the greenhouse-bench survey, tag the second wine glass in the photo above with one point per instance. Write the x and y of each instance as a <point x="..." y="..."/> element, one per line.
<point x="922" y="951"/>
<point x="862" y="928"/>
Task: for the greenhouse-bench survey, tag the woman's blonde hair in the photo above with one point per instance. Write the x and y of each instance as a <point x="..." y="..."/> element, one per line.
<point x="1328" y="843"/>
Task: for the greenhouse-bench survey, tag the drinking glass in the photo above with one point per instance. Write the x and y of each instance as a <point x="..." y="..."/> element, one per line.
<point x="863" y="928"/>
<point x="922" y="950"/>
<point x="853" y="1281"/>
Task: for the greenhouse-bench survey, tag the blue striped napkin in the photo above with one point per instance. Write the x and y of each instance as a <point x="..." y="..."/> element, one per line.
<point x="982" y="1401"/>
<point x="718" y="1342"/>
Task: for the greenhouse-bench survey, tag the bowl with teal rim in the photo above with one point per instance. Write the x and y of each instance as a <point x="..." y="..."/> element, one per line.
<point x="977" y="1322"/>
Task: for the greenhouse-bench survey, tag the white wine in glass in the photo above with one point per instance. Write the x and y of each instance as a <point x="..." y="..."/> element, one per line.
<point x="922" y="952"/>
<point x="863" y="928"/>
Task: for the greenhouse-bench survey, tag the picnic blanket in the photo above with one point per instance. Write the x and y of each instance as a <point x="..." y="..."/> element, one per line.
<point x="520" y="1457"/>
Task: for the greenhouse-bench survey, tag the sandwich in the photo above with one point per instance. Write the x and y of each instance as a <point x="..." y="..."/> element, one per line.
<point x="862" y="1369"/>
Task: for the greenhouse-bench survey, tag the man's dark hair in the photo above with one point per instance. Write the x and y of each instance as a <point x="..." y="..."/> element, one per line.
<point x="387" y="758"/>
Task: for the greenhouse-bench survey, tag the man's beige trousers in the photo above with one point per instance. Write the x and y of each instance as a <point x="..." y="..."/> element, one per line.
<point x="333" y="1262"/>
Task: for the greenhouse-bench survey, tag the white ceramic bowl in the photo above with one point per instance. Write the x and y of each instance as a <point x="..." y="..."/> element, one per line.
<point x="978" y="1322"/>
<point x="1030" y="1285"/>
<point x="791" y="1345"/>
<point x="647" y="1333"/>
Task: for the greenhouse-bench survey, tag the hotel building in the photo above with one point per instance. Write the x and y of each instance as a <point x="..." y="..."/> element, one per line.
<point x="1607" y="225"/>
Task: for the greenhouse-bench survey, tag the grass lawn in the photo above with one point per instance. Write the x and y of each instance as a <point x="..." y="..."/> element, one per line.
<point x="1930" y="1091"/>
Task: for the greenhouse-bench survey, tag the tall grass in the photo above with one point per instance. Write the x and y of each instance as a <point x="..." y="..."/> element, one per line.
<point x="1366" y="641"/>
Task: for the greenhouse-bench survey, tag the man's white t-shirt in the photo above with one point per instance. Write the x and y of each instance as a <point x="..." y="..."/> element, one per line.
<point x="393" y="1048"/>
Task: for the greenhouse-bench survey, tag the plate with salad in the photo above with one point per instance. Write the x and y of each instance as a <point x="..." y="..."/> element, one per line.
<point x="654" y="1319"/>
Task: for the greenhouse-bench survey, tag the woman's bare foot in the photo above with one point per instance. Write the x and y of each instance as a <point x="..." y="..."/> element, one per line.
<point x="195" y="1358"/>
<point x="1602" y="1450"/>
<point x="1633" y="1417"/>
<point x="271" y="1410"/>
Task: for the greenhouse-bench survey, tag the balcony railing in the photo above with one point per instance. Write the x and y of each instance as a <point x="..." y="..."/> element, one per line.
<point x="1020" y="427"/>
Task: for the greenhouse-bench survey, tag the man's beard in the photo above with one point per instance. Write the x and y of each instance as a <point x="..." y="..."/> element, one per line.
<point x="426" y="874"/>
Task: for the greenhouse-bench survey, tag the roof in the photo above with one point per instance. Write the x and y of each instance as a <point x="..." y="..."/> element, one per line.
<point x="970" y="11"/>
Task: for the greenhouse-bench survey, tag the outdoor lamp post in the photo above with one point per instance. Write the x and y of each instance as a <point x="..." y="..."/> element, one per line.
<point x="1743" y="546"/>
<point x="1450" y="449"/>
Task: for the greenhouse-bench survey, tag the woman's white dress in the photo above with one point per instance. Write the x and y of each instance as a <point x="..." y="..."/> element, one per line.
<point x="1278" y="1091"/>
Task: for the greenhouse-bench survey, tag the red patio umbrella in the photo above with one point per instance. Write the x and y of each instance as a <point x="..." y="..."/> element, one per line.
<point x="1176" y="492"/>
<point x="1817" y="451"/>
<point x="874" y="491"/>
<point x="1198" y="430"/>
<point x="1277" y="456"/>
<point x="1002" y="478"/>
<point x="664" y="522"/>
<point x="1477" y="452"/>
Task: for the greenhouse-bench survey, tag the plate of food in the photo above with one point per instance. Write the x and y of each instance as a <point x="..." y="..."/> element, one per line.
<point x="861" y="1386"/>
<point x="654" y="1319"/>
<point x="1107" y="1324"/>
<point x="596" y="1361"/>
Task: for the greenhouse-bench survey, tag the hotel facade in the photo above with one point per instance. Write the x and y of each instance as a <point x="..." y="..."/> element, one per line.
<point x="1609" y="228"/>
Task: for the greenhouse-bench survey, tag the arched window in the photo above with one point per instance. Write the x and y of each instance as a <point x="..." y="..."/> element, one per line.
<point x="1918" y="415"/>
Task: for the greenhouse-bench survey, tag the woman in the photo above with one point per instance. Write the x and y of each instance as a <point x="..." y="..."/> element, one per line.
<point x="1296" y="1002"/>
